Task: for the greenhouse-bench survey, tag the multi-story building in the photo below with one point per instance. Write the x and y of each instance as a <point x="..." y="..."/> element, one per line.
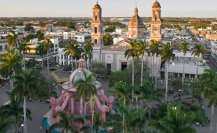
<point x="188" y="63"/>
<point x="81" y="38"/>
<point x="3" y="46"/>
<point x="63" y="59"/>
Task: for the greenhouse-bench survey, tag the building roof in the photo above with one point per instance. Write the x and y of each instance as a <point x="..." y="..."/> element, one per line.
<point x="136" y="21"/>
<point x="156" y="4"/>
<point x="119" y="46"/>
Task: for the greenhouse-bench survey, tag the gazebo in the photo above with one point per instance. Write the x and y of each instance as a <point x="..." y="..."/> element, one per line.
<point x="69" y="103"/>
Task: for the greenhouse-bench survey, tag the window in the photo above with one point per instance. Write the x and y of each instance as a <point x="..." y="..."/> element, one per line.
<point x="0" y="48"/>
<point x="95" y="17"/>
<point x="123" y="66"/>
<point x="95" y="41"/>
<point x="95" y="30"/>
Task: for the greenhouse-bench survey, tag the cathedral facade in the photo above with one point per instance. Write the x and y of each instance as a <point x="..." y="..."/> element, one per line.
<point x="113" y="56"/>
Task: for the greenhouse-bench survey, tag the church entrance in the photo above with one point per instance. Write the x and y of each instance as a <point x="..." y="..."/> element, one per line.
<point x="123" y="66"/>
<point x="109" y="69"/>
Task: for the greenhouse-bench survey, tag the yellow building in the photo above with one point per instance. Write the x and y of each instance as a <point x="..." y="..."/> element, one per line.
<point x="211" y="36"/>
<point x="32" y="49"/>
<point x="136" y="27"/>
<point x="97" y="24"/>
<point x="156" y="22"/>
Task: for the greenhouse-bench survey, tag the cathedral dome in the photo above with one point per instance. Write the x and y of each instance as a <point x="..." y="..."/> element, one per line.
<point x="80" y="73"/>
<point x="97" y="6"/>
<point x="136" y="21"/>
<point x="156" y="5"/>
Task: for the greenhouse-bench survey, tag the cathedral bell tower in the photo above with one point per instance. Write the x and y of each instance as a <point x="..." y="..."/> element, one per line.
<point x="156" y="22"/>
<point x="97" y="24"/>
<point x="135" y="26"/>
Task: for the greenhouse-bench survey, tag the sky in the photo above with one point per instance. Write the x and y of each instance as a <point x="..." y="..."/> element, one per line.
<point x="111" y="8"/>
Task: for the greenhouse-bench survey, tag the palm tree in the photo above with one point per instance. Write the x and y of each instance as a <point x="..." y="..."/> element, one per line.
<point x="166" y="56"/>
<point x="14" y="110"/>
<point x="39" y="35"/>
<point x="23" y="49"/>
<point x="87" y="54"/>
<point x="132" y="52"/>
<point x="96" y="122"/>
<point x="43" y="49"/>
<point x="49" y="45"/>
<point x="23" y="46"/>
<point x="5" y="122"/>
<point x="26" y="84"/>
<point x="122" y="92"/>
<point x="74" y="50"/>
<point x="142" y="46"/>
<point x="175" y="121"/>
<point x="148" y="94"/>
<point x="92" y="103"/>
<point x="134" y="120"/>
<point x="155" y="49"/>
<point x="208" y="87"/>
<point x="197" y="51"/>
<point x="65" y="123"/>
<point x="10" y="65"/>
<point x="184" y="48"/>
<point x="12" y="39"/>
<point x="85" y="89"/>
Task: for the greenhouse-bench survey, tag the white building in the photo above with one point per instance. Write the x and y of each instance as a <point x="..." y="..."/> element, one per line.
<point x="53" y="34"/>
<point x="63" y="59"/>
<point x="183" y="36"/>
<point x="119" y="31"/>
<point x="3" y="46"/>
<point x="81" y="38"/>
<point x="214" y="50"/>
<point x="66" y="35"/>
<point x="118" y="39"/>
<point x="192" y="66"/>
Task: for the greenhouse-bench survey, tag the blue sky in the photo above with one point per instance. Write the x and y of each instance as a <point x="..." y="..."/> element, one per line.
<point x="111" y="8"/>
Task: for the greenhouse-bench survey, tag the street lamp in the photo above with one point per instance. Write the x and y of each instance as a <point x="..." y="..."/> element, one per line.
<point x="22" y="125"/>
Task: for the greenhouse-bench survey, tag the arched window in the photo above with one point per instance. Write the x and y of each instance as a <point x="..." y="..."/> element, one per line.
<point x="95" y="17"/>
<point x="95" y="30"/>
<point x="95" y="40"/>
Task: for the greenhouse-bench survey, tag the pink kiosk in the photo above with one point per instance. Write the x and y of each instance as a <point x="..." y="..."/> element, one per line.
<point x="68" y="102"/>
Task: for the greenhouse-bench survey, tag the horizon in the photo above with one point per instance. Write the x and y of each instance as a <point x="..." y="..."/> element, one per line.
<point x="105" y="17"/>
<point x="83" y="8"/>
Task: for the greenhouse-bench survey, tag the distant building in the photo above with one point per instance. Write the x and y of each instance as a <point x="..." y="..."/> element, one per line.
<point x="192" y="66"/>
<point x="64" y="59"/>
<point x="3" y="46"/>
<point x="66" y="35"/>
<point x="212" y="36"/>
<point x="81" y="38"/>
<point x="214" y="50"/>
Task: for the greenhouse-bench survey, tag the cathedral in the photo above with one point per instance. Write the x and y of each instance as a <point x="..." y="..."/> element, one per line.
<point x="113" y="56"/>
